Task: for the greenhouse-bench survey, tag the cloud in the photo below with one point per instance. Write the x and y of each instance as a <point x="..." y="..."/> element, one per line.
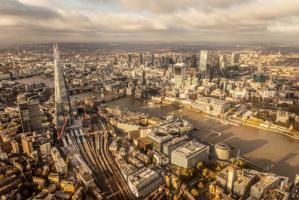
<point x="163" y="20"/>
<point x="165" y="6"/>
<point x="16" y="8"/>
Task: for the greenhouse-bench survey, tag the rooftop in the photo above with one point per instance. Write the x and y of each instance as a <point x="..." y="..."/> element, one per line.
<point x="176" y="140"/>
<point x="143" y="177"/>
<point x="190" y="148"/>
<point x="160" y="137"/>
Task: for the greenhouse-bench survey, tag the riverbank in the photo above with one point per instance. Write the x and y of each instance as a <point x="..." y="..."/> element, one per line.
<point x="239" y="122"/>
<point x="258" y="146"/>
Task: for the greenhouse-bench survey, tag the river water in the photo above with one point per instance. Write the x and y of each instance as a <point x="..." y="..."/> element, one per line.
<point x="259" y="146"/>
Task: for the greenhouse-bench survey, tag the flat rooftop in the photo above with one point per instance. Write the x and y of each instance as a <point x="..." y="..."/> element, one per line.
<point x="143" y="177"/>
<point x="176" y="140"/>
<point x="190" y="148"/>
<point x="159" y="137"/>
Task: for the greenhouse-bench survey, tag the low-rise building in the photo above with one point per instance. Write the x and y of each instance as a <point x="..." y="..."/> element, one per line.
<point x="265" y="184"/>
<point x="144" y="181"/>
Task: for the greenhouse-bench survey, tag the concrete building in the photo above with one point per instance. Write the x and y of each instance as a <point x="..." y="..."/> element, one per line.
<point x="193" y="61"/>
<point x="45" y="149"/>
<point x="222" y="151"/>
<point x="60" y="166"/>
<point x="203" y="60"/>
<point x="189" y="154"/>
<point x="236" y="181"/>
<point x="243" y="183"/>
<point x="265" y="184"/>
<point x="55" y="154"/>
<point x="15" y="146"/>
<point x="179" y="74"/>
<point x="232" y="176"/>
<point x="235" y="59"/>
<point x="174" y="143"/>
<point x="27" y="144"/>
<point x="158" y="139"/>
<point x="160" y="158"/>
<point x="30" y="115"/>
<point x="144" y="181"/>
<point x="211" y="106"/>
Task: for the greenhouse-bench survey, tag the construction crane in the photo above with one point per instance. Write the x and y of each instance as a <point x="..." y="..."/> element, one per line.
<point x="63" y="127"/>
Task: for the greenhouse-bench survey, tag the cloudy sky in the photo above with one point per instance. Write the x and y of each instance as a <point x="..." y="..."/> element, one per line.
<point x="25" y="21"/>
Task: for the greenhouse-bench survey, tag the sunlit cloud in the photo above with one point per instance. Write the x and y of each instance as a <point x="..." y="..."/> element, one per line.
<point x="149" y="20"/>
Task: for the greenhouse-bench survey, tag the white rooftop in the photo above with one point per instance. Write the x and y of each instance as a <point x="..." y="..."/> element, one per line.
<point x="190" y="148"/>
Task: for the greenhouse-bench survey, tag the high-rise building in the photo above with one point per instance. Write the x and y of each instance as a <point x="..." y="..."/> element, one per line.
<point x="223" y="65"/>
<point x="62" y="100"/>
<point x="129" y="59"/>
<point x="179" y="74"/>
<point x="30" y="115"/>
<point x="193" y="61"/>
<point x="235" y="59"/>
<point x="141" y="59"/>
<point x="153" y="59"/>
<point x="203" y="60"/>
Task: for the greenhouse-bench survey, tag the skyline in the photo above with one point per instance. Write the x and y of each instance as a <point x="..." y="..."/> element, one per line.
<point x="228" y="21"/>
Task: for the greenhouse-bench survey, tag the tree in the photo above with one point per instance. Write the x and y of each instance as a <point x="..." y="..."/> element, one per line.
<point x="241" y="163"/>
<point x="175" y="197"/>
<point x="200" y="185"/>
<point x="218" y="169"/>
<point x="195" y="192"/>
<point x="187" y="173"/>
<point x="199" y="165"/>
<point x="205" y="171"/>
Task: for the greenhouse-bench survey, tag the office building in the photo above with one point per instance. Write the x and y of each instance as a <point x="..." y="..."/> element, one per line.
<point x="193" y="61"/>
<point x="144" y="181"/>
<point x="141" y="59"/>
<point x="235" y="59"/>
<point x="15" y="146"/>
<point x="236" y="181"/>
<point x="45" y="149"/>
<point x="30" y="115"/>
<point x="55" y="154"/>
<point x="265" y="184"/>
<point x="189" y="154"/>
<point x="203" y="60"/>
<point x="211" y="106"/>
<point x="179" y="74"/>
<point x="174" y="143"/>
<point x="158" y="139"/>
<point x="243" y="183"/>
<point x="153" y="59"/>
<point x="27" y="144"/>
<point x="129" y="59"/>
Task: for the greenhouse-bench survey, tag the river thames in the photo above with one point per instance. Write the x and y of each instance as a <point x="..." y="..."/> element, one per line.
<point x="259" y="146"/>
